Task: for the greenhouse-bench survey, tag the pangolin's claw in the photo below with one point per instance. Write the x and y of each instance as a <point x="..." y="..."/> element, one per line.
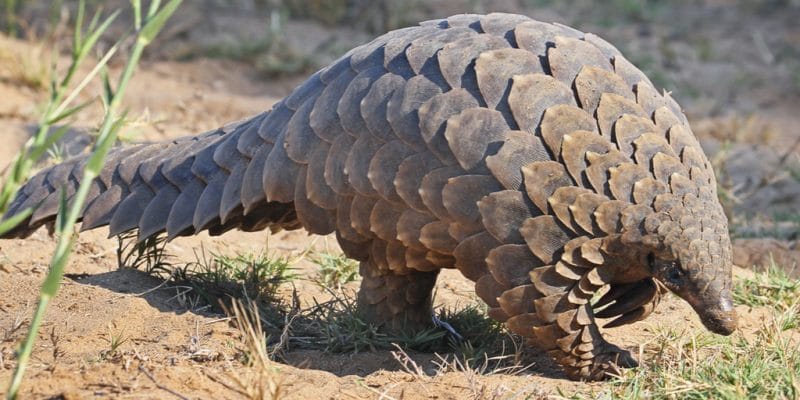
<point x="637" y="296"/>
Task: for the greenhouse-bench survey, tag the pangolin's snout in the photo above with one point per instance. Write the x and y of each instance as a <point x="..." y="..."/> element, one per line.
<point x="720" y="322"/>
<point x="718" y="316"/>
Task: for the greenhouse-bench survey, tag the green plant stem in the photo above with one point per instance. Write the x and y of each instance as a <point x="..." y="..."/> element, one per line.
<point x="55" y="109"/>
<point x="66" y="220"/>
<point x="11" y="17"/>
<point x="24" y="355"/>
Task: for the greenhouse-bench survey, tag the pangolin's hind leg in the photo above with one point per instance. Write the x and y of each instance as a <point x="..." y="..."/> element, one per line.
<point x="397" y="302"/>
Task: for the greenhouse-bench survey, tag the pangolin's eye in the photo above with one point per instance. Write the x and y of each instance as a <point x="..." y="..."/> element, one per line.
<point x="675" y="274"/>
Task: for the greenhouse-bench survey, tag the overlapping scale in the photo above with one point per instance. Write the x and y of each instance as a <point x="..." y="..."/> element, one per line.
<point x="457" y="58"/>
<point x="611" y="108"/>
<point x="594" y="83"/>
<point x="383" y="168"/>
<point x="503" y="212"/>
<point x="433" y="116"/>
<point x="501" y="24"/>
<point x="401" y="111"/>
<point x="542" y="179"/>
<point x="315" y="219"/>
<point x="383" y="220"/>
<point x="519" y="300"/>
<point x="517" y="150"/>
<point x="344" y="226"/>
<point x="510" y="264"/>
<point x="564" y="66"/>
<point x="410" y="174"/>
<point x="627" y="129"/>
<point x="536" y="37"/>
<point x="598" y="172"/>
<point x="360" y="211"/>
<point x="431" y="190"/>
<point x="409" y="227"/>
<point x="317" y="189"/>
<point x="489" y="290"/>
<point x="435" y="236"/>
<point x="562" y="200"/>
<point x="335" y="165"/>
<point x="533" y="93"/>
<point x="461" y="194"/>
<point x="473" y="133"/>
<point x="561" y="120"/>
<point x="496" y="68"/>
<point x="575" y="147"/>
<point x="582" y="211"/>
<point x="623" y="178"/>
<point x="545" y="237"/>
<point x="356" y="166"/>
<point x="471" y="255"/>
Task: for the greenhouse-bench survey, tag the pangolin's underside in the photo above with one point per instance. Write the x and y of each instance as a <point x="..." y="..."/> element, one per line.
<point x="531" y="156"/>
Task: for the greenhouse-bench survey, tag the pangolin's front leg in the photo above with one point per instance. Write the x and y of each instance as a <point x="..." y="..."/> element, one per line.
<point x="556" y="310"/>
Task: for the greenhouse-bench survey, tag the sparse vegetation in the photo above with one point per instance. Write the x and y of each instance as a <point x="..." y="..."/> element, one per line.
<point x="333" y="325"/>
<point x="115" y="340"/>
<point x="675" y="364"/>
<point x="242" y="276"/>
<point x="270" y="54"/>
<point x="466" y="334"/>
<point x="30" y="68"/>
<point x="262" y="380"/>
<point x="148" y="254"/>
<point x="692" y="365"/>
<point x="335" y="270"/>
<point x="773" y="288"/>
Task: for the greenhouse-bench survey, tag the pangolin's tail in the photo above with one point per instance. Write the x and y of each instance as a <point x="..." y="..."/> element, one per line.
<point x="180" y="187"/>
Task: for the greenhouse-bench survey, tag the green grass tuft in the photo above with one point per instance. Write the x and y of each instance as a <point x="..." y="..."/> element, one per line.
<point x="774" y="289"/>
<point x="691" y="365"/>
<point x="241" y="276"/>
<point x="149" y="254"/>
<point x="335" y="270"/>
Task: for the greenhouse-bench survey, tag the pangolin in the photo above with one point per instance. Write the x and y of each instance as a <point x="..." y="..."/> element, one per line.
<point x="532" y="157"/>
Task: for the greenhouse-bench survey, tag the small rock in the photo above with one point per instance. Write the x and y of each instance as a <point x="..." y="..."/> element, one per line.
<point x="761" y="252"/>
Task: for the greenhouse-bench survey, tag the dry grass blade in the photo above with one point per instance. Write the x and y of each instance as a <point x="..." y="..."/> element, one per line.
<point x="407" y="363"/>
<point x="261" y="381"/>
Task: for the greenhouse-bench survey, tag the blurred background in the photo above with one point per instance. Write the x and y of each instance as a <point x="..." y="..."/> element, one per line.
<point x="734" y="65"/>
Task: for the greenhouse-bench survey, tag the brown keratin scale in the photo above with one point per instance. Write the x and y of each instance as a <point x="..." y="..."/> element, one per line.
<point x="532" y="157"/>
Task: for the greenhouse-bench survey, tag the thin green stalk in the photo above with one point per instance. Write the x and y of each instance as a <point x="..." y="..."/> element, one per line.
<point x="68" y="214"/>
<point x="56" y="108"/>
<point x="11" y="17"/>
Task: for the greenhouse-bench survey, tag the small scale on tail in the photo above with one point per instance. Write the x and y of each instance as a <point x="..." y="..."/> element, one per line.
<point x="532" y="157"/>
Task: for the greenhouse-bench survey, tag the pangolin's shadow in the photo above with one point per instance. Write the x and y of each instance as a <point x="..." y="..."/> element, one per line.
<point x="166" y="298"/>
<point x="158" y="293"/>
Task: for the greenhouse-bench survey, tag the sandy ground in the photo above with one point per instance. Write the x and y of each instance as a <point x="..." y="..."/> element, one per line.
<point x="171" y="351"/>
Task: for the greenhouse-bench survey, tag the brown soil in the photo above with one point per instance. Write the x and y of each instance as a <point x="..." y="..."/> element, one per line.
<point x="170" y="349"/>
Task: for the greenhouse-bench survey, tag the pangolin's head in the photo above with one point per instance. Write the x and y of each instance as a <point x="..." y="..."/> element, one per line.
<point x="693" y="259"/>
